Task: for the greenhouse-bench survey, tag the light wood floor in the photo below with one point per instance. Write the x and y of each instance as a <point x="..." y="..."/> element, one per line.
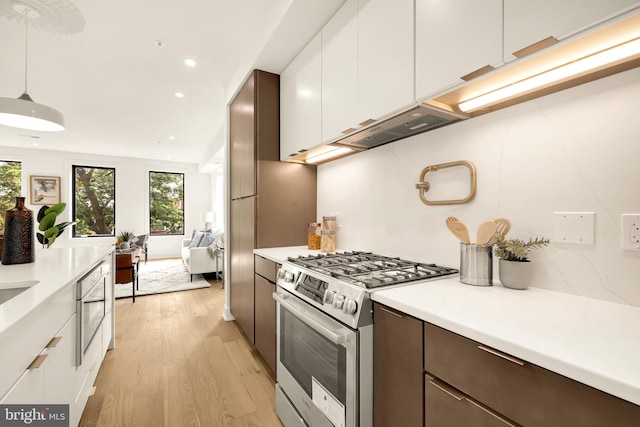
<point x="178" y="363"/>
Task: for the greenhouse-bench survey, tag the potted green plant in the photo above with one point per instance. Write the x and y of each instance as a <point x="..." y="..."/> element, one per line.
<point x="47" y="224"/>
<point x="124" y="239"/>
<point x="514" y="264"/>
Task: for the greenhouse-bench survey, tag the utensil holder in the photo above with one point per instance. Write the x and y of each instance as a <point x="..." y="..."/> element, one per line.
<point x="476" y="264"/>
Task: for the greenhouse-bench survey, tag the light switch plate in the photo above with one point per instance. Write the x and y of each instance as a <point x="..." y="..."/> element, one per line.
<point x="576" y="228"/>
<point x="631" y="232"/>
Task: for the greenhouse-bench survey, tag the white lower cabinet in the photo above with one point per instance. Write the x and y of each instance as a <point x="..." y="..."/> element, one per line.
<point x="28" y="388"/>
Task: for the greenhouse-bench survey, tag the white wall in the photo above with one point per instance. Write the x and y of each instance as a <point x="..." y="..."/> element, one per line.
<point x="577" y="151"/>
<point x="132" y="192"/>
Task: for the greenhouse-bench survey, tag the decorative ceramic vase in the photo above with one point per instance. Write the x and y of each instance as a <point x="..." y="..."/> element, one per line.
<point x="515" y="274"/>
<point x="18" y="246"/>
<point x="124" y="246"/>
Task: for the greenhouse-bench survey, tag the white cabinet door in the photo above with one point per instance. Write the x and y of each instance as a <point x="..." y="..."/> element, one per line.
<point x="527" y="22"/>
<point x="60" y="366"/>
<point x="300" y="101"/>
<point x="385" y="57"/>
<point x="453" y="39"/>
<point x="27" y="390"/>
<point x="340" y="72"/>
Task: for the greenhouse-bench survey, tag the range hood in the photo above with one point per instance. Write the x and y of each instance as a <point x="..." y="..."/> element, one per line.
<point x="418" y="119"/>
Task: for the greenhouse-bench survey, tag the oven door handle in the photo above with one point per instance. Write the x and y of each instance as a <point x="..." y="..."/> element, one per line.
<point x="334" y="337"/>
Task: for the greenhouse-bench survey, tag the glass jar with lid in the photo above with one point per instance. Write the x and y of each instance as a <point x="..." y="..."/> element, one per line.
<point x="329" y="223"/>
<point x="313" y="235"/>
<point x="328" y="241"/>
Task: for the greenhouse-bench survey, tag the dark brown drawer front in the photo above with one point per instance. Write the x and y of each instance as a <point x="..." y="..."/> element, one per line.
<point x="397" y="369"/>
<point x="525" y="393"/>
<point x="266" y="268"/>
<point x="445" y="406"/>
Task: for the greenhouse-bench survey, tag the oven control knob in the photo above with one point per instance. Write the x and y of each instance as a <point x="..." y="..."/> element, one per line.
<point x="288" y="277"/>
<point x="329" y="296"/>
<point x="280" y="274"/>
<point x="338" y="301"/>
<point x="350" y="306"/>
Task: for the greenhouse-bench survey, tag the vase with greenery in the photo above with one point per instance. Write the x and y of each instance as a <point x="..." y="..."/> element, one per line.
<point x="124" y="239"/>
<point x="514" y="265"/>
<point x="49" y="230"/>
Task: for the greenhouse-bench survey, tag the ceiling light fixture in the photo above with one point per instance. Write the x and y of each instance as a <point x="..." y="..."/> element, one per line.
<point x="563" y="72"/>
<point x="23" y="112"/>
<point x="190" y="62"/>
<point x="179" y="95"/>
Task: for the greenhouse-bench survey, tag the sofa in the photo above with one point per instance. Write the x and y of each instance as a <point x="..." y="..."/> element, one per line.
<point x="203" y="253"/>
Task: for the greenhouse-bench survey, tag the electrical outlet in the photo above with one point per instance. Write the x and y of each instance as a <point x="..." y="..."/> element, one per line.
<point x="576" y="228"/>
<point x="631" y="232"/>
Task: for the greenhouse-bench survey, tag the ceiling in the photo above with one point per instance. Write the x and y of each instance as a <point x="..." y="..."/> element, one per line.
<point x="116" y="86"/>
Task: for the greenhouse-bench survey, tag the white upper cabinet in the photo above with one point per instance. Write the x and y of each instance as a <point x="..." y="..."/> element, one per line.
<point x="385" y="57"/>
<point x="340" y="71"/>
<point x="453" y="39"/>
<point x="528" y="22"/>
<point x="300" y="102"/>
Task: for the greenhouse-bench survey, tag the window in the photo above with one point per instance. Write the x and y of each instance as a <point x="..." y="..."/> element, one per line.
<point x="166" y="203"/>
<point x="94" y="201"/>
<point x="10" y="188"/>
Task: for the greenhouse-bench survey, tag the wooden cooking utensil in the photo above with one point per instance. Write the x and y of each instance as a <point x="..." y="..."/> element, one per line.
<point x="504" y="225"/>
<point x="458" y="229"/>
<point x="486" y="231"/>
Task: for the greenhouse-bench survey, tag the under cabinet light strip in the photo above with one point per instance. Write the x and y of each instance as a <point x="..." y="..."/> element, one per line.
<point x="328" y="155"/>
<point x="574" y="68"/>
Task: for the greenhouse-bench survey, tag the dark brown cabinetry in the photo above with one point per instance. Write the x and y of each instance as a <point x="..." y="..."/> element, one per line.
<point x="525" y="393"/>
<point x="271" y="201"/>
<point x="397" y="369"/>
<point x="265" y="310"/>
<point x="466" y="383"/>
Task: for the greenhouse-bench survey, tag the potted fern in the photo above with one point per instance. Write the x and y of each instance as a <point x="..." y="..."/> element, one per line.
<point x="514" y="265"/>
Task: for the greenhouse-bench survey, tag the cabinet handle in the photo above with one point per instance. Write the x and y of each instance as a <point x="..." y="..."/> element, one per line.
<point x="502" y="355"/>
<point x="549" y="41"/>
<point x="348" y="131"/>
<point x="477" y="73"/>
<point x="504" y="420"/>
<point x="38" y="361"/>
<point x="54" y="342"/>
<point x="386" y="310"/>
<point x="447" y="389"/>
<point x="367" y="122"/>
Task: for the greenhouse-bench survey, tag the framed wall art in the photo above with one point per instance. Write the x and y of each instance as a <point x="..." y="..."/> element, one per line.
<point x="45" y="190"/>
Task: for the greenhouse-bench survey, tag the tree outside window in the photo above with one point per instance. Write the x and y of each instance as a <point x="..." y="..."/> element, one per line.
<point x="166" y="203"/>
<point x="94" y="201"/>
<point x="10" y="187"/>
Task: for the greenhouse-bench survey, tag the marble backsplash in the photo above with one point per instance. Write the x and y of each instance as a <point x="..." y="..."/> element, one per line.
<point x="573" y="151"/>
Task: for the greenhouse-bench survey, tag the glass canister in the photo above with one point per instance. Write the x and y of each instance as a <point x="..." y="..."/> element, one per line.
<point x="313" y="236"/>
<point x="329" y="223"/>
<point x="328" y="241"/>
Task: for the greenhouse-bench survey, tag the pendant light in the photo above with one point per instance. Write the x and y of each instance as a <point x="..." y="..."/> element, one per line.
<point x="23" y="112"/>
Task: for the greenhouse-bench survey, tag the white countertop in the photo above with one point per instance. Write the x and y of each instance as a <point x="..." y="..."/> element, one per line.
<point x="591" y="341"/>
<point x="54" y="268"/>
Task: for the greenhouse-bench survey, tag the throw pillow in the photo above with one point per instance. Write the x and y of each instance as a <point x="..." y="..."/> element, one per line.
<point x="193" y="233"/>
<point x="207" y="239"/>
<point x="196" y="239"/>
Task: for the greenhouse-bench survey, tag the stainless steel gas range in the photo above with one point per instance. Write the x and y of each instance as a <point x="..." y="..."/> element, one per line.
<point x="325" y="333"/>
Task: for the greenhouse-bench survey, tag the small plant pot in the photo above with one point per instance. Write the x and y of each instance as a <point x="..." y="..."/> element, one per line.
<point x="515" y="274"/>
<point x="124" y="245"/>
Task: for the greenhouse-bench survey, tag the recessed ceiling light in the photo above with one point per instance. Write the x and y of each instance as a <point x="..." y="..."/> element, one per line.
<point x="171" y="137"/>
<point x="35" y="144"/>
<point x="179" y="95"/>
<point x="159" y="43"/>
<point x="190" y="62"/>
